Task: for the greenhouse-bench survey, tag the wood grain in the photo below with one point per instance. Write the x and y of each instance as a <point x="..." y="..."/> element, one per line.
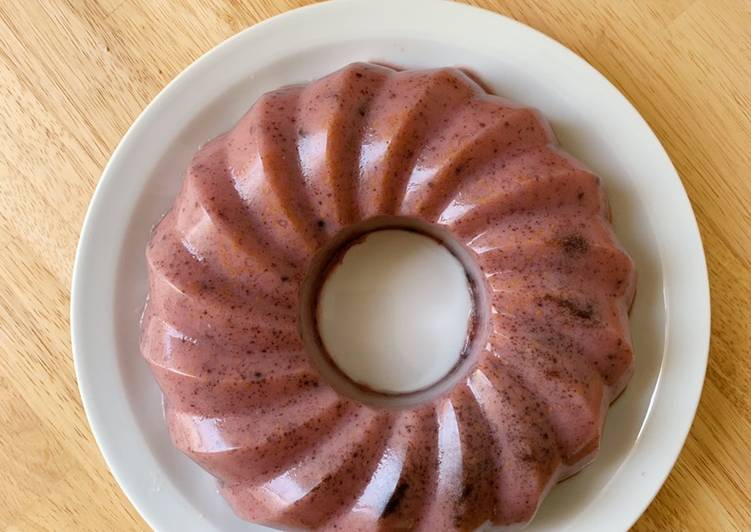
<point x="74" y="75"/>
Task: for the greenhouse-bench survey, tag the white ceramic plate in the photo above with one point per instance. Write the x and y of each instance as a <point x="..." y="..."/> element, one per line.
<point x="646" y="427"/>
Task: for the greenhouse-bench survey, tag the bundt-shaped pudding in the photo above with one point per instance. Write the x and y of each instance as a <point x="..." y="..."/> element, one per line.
<point x="453" y="401"/>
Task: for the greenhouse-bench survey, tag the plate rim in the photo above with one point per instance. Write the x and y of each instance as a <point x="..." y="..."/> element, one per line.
<point x="84" y="267"/>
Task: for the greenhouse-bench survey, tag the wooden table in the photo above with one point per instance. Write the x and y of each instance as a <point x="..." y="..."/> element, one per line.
<point x="73" y="76"/>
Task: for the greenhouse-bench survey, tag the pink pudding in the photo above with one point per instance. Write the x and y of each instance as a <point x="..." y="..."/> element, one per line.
<point x="227" y="265"/>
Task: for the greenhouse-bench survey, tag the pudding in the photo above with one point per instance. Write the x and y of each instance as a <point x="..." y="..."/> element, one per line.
<point x="391" y="379"/>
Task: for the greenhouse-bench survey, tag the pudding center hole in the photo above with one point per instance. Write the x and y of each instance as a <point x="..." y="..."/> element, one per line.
<point x="394" y="311"/>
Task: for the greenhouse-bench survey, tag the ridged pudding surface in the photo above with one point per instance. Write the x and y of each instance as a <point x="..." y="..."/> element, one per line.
<point x="221" y="326"/>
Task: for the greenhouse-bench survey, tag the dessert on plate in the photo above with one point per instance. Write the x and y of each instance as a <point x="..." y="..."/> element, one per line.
<point x="388" y="300"/>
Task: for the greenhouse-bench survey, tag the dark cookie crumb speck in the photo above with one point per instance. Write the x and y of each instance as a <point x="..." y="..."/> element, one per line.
<point x="574" y="245"/>
<point x="584" y="312"/>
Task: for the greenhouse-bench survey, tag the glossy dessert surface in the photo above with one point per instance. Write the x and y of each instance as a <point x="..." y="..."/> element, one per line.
<point x="226" y="265"/>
